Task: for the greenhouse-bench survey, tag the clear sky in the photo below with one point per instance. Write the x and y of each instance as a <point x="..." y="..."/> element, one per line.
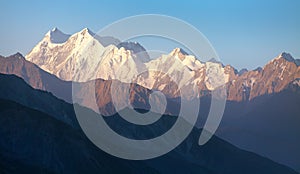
<point x="244" y="33"/>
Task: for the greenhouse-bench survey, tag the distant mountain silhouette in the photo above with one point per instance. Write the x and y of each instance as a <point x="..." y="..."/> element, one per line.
<point x="267" y="125"/>
<point x="15" y="89"/>
<point x="34" y="140"/>
<point x="47" y="143"/>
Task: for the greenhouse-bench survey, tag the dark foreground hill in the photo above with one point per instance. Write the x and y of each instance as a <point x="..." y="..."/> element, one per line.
<point x="33" y="141"/>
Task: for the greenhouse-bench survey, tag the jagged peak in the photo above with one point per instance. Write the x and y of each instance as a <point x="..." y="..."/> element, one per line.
<point x="213" y="60"/>
<point x="259" y="69"/>
<point x="134" y="46"/>
<point x="87" y="31"/>
<point x="56" y="36"/>
<point x="179" y="53"/>
<point x="55" y="29"/>
<point x="18" y="55"/>
<point x="242" y="71"/>
<point x="229" y="68"/>
<point x="286" y="56"/>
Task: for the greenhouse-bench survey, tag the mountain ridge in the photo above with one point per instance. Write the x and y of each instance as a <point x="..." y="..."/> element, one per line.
<point x="35" y="76"/>
<point x="120" y="62"/>
<point x="279" y="72"/>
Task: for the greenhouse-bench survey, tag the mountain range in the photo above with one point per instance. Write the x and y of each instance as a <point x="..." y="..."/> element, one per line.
<point x="68" y="61"/>
<point x="261" y="113"/>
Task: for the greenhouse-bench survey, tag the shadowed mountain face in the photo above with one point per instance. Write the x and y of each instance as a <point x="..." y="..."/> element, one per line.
<point x="35" y="141"/>
<point x="15" y="89"/>
<point x="272" y="78"/>
<point x="267" y="125"/>
<point x="35" y="77"/>
<point x="38" y="141"/>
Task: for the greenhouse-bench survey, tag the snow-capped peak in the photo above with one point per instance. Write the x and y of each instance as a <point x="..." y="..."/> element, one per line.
<point x="87" y="31"/>
<point x="215" y="61"/>
<point x="137" y="49"/>
<point x="178" y="52"/>
<point x="56" y="36"/>
<point x="103" y="40"/>
<point x="188" y="60"/>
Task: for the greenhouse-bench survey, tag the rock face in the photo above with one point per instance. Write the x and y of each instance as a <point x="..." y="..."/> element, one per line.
<point x="97" y="94"/>
<point x="272" y="78"/>
<point x="35" y="76"/>
<point x="267" y="125"/>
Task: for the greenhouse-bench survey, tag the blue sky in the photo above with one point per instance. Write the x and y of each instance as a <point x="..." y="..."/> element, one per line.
<point x="244" y="33"/>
